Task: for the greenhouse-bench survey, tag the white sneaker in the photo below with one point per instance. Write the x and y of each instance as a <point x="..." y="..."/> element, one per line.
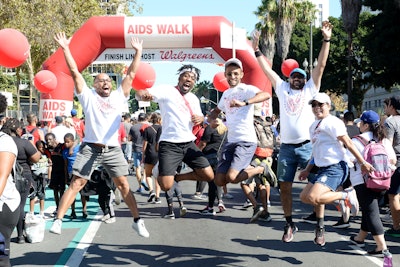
<point x="56" y="227"/>
<point x="110" y="220"/>
<point x="140" y="228"/>
<point x="183" y="211"/>
<point x="352" y="201"/>
<point x="117" y="199"/>
<point x="105" y="217"/>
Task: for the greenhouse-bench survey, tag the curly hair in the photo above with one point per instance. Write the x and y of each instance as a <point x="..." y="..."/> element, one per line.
<point x="189" y="68"/>
<point x="3" y="103"/>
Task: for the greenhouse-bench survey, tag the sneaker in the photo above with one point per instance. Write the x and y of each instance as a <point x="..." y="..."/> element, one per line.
<point x="221" y="207"/>
<point x="157" y="200"/>
<point x="139" y="190"/>
<point x="265" y="217"/>
<point x="359" y="244"/>
<point x="105" y="217"/>
<point x="268" y="174"/>
<point x="170" y="216"/>
<point x="288" y="233"/>
<point x="56" y="227"/>
<point x="341" y="224"/>
<point x="199" y="197"/>
<point x="247" y="204"/>
<point x="351" y="201"/>
<point x="208" y="211"/>
<point x="268" y="204"/>
<point x="393" y="232"/>
<point x="227" y="196"/>
<point x="117" y="199"/>
<point x="140" y="228"/>
<point x="73" y="215"/>
<point x="110" y="220"/>
<point x="319" y="236"/>
<point x="144" y="184"/>
<point x="387" y="218"/>
<point x="183" y="211"/>
<point x="256" y="213"/>
<point x="21" y="240"/>
<point x="151" y="197"/>
<point x="312" y="218"/>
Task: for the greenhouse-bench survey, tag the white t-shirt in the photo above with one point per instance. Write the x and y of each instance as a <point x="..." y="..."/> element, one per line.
<point x="10" y="194"/>
<point x="239" y="120"/>
<point x="356" y="176"/>
<point x="102" y="115"/>
<point x="60" y="131"/>
<point x="326" y="148"/>
<point x="175" y="113"/>
<point x="295" y="113"/>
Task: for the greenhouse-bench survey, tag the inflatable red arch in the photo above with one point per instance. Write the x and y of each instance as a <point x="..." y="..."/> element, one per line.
<point x="103" y="32"/>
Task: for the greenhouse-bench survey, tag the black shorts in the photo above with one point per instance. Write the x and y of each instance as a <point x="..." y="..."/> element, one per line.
<point x="171" y="155"/>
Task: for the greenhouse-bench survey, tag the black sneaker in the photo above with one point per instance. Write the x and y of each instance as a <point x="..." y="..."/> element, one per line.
<point x="151" y="197"/>
<point x="341" y="224"/>
<point x="312" y="218"/>
<point x="359" y="244"/>
<point x="256" y="213"/>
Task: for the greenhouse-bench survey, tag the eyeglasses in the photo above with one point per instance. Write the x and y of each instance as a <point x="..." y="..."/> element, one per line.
<point x="103" y="81"/>
<point x="317" y="104"/>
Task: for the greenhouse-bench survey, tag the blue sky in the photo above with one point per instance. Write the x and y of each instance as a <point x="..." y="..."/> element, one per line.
<point x="237" y="11"/>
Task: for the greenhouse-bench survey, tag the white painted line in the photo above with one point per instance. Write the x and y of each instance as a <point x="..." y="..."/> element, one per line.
<point x="360" y="251"/>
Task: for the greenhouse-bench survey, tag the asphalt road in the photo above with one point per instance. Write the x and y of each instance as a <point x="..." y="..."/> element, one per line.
<point x="226" y="239"/>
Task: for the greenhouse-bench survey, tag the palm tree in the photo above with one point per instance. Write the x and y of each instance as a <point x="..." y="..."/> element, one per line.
<point x="350" y="16"/>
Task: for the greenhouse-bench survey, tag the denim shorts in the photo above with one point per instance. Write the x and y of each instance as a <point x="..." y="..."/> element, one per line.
<point x="137" y="158"/>
<point x="332" y="176"/>
<point x="236" y="156"/>
<point x="290" y="158"/>
<point x="90" y="156"/>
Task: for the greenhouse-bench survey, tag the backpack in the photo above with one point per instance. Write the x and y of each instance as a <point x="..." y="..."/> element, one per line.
<point x="28" y="135"/>
<point x="265" y="138"/>
<point x="376" y="155"/>
<point x="21" y="183"/>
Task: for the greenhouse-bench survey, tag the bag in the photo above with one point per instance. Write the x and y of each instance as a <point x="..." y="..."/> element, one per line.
<point x="21" y="182"/>
<point x="34" y="228"/>
<point x="376" y="155"/>
<point x="28" y="135"/>
<point x="265" y="138"/>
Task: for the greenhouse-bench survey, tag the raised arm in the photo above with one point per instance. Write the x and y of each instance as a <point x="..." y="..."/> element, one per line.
<point x="130" y="75"/>
<point x="323" y="53"/>
<point x="64" y="42"/>
<point x="265" y="66"/>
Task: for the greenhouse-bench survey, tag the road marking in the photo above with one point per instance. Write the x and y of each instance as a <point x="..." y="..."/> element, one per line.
<point x="360" y="251"/>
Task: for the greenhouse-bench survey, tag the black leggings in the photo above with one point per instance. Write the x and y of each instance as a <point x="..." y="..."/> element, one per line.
<point x="369" y="203"/>
<point x="21" y="219"/>
<point x="8" y="221"/>
<point x="214" y="192"/>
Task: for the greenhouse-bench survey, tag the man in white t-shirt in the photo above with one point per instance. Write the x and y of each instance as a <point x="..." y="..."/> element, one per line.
<point x="180" y="112"/>
<point x="103" y="110"/>
<point x="238" y="151"/>
<point x="295" y="119"/>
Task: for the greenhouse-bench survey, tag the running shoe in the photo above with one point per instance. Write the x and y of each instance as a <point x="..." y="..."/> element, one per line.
<point x="208" y="211"/>
<point x="341" y="224"/>
<point x="319" y="236"/>
<point x="312" y="218"/>
<point x="288" y="233"/>
<point x="140" y="228"/>
<point x="256" y="213"/>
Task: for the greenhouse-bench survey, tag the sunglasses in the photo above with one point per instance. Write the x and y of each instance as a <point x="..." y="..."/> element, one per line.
<point x="317" y="104"/>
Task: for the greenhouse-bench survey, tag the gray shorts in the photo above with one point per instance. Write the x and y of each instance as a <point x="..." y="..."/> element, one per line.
<point x="236" y="156"/>
<point x="91" y="156"/>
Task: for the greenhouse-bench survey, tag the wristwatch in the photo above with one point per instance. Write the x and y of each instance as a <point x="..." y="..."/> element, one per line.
<point x="247" y="102"/>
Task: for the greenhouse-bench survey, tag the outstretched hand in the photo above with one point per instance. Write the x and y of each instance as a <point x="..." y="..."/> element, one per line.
<point x="326" y="29"/>
<point x="62" y="40"/>
<point x="136" y="43"/>
<point x="255" y="39"/>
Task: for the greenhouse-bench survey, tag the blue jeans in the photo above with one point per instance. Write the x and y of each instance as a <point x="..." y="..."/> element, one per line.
<point x="290" y="158"/>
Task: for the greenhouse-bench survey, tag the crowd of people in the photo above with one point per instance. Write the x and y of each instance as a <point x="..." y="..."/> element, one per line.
<point x="164" y="150"/>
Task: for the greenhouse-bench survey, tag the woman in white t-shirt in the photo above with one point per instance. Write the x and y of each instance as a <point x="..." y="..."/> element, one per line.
<point x="9" y="196"/>
<point x="329" y="138"/>
<point x="370" y="128"/>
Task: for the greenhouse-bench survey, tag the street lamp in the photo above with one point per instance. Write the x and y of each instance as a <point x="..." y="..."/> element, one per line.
<point x="306" y="65"/>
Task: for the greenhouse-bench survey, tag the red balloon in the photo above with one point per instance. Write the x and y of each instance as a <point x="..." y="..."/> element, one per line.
<point x="220" y="83"/>
<point x="14" y="48"/>
<point x="288" y="65"/>
<point x="145" y="77"/>
<point x="45" y="81"/>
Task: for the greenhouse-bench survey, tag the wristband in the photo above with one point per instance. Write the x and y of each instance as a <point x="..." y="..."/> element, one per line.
<point x="247" y="102"/>
<point x="363" y="163"/>
<point x="327" y="40"/>
<point x="258" y="53"/>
